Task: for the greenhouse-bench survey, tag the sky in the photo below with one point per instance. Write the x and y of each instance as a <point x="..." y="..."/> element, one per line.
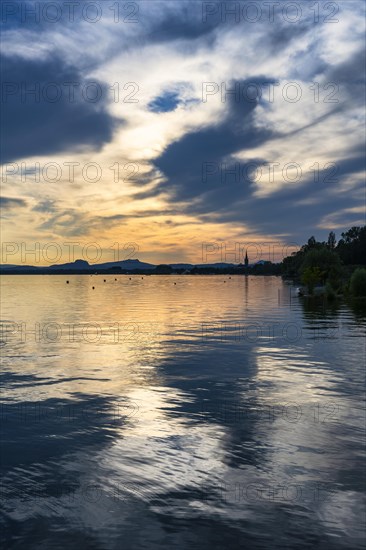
<point x="179" y="131"/>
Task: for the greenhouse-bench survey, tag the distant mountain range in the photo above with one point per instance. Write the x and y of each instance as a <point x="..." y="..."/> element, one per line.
<point x="80" y="266"/>
<point x="128" y="265"/>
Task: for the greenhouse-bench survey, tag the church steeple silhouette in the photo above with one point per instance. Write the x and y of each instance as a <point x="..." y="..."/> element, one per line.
<point x="246" y="261"/>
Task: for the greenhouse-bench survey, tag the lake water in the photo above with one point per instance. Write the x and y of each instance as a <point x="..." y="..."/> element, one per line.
<point x="188" y="412"/>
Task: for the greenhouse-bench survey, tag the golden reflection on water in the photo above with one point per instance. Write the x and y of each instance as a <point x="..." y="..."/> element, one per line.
<point x="119" y="331"/>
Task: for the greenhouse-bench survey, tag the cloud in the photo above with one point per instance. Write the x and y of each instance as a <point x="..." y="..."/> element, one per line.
<point x="185" y="147"/>
<point x="45" y="206"/>
<point x="203" y="153"/>
<point x="9" y="203"/>
<point x="52" y="119"/>
<point x="211" y="153"/>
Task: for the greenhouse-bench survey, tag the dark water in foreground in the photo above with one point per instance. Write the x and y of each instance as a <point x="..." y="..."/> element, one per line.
<point x="204" y="414"/>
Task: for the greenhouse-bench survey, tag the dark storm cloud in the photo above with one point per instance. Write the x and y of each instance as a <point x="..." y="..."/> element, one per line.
<point x="45" y="206"/>
<point x="355" y="163"/>
<point x="41" y="15"/>
<point x="209" y="152"/>
<point x="52" y="120"/>
<point x="350" y="77"/>
<point x="183" y="20"/>
<point x="8" y="203"/>
<point x="44" y="127"/>
<point x="185" y="24"/>
<point x="184" y="162"/>
<point x="295" y="209"/>
<point x="195" y="22"/>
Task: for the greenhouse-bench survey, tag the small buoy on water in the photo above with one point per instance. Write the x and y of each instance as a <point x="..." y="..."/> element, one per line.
<point x="130" y="278"/>
<point x="115" y="279"/>
<point x="67" y="282"/>
<point x="93" y="287"/>
<point x="104" y="280"/>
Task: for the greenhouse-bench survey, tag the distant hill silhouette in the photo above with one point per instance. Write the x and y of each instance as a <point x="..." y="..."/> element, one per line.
<point x="123" y="266"/>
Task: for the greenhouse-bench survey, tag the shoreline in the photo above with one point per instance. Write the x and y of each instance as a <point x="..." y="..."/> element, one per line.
<point x="64" y="272"/>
